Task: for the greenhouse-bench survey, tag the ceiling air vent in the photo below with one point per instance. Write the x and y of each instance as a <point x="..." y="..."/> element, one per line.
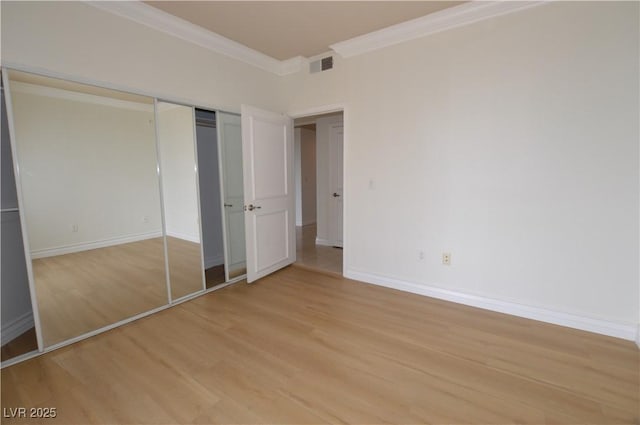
<point x="320" y="65"/>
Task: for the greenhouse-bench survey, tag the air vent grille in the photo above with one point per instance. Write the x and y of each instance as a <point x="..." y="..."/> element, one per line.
<point x="327" y="63"/>
<point x="320" y="65"/>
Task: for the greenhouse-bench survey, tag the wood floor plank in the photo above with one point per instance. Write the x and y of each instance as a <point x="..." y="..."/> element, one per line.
<point x="302" y="347"/>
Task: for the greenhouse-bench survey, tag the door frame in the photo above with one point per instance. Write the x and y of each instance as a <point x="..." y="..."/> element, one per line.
<point x="327" y="109"/>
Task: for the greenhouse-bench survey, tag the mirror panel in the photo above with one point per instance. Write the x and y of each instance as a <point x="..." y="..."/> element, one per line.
<point x="230" y="136"/>
<point x="88" y="175"/>
<point x="18" y="333"/>
<point x="176" y="141"/>
<point x="210" y="198"/>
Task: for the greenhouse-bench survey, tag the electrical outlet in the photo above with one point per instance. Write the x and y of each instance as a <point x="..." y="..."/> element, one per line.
<point x="421" y="255"/>
<point x="446" y="258"/>
<point x="74" y="228"/>
<point x="145" y="219"/>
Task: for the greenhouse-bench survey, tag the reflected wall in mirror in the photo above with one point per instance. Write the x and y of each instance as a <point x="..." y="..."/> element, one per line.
<point x="176" y="142"/>
<point x="88" y="175"/>
<point x="230" y="136"/>
<point x="18" y="333"/>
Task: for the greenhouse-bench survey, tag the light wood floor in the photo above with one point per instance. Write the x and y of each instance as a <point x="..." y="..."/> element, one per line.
<point x="80" y="292"/>
<point x="300" y="347"/>
<point x="314" y="256"/>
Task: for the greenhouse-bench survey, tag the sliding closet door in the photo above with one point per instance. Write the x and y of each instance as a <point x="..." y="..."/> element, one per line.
<point x="18" y="334"/>
<point x="88" y="176"/>
<point x="230" y="140"/>
<point x="178" y="170"/>
<point x="211" y="209"/>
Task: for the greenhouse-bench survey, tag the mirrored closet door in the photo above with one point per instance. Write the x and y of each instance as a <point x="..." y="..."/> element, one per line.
<point x="126" y="204"/>
<point x="219" y="142"/>
<point x="88" y="174"/>
<point x="230" y="136"/>
<point x="210" y="198"/>
<point x="178" y="165"/>
<point x="18" y="332"/>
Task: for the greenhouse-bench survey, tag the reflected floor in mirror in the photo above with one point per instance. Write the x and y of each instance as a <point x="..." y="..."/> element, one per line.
<point x="22" y="344"/>
<point x="84" y="291"/>
<point x="308" y="254"/>
<point x="185" y="267"/>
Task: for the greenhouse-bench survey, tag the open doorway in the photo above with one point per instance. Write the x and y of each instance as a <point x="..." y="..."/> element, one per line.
<point x="319" y="191"/>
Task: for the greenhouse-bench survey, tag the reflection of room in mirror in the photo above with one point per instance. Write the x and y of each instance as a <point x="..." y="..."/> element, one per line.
<point x="176" y="143"/>
<point x="91" y="201"/>
<point x="87" y="290"/>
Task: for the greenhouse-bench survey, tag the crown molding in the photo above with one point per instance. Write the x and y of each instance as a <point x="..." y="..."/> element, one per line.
<point x="159" y="20"/>
<point x="292" y="65"/>
<point x="457" y="16"/>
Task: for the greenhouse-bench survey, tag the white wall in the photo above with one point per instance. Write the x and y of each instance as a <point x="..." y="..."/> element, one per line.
<point x="85" y="164"/>
<point x="305" y="164"/>
<point x="79" y="40"/>
<point x="511" y="143"/>
<point x="176" y="141"/>
<point x="209" y="177"/>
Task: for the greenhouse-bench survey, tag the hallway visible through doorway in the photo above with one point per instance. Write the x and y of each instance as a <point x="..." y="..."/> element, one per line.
<point x="319" y="147"/>
<point x="320" y="257"/>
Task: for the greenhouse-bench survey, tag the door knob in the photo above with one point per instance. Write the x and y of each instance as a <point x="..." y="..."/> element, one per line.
<point x="335" y="195"/>
<point x="252" y="207"/>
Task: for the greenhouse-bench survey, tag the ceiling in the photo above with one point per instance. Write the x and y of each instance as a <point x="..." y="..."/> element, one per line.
<point x="286" y="29"/>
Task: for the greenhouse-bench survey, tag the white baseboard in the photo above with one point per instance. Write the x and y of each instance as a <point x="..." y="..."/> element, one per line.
<point x="618" y="330"/>
<point x="86" y="246"/>
<point x="17" y="327"/>
<point x="183" y="236"/>
<point x="324" y="242"/>
<point x="638" y="336"/>
<point x="213" y="261"/>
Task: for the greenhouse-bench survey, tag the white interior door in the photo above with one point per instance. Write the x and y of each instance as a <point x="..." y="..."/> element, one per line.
<point x="336" y="160"/>
<point x="269" y="196"/>
<point x="230" y="140"/>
